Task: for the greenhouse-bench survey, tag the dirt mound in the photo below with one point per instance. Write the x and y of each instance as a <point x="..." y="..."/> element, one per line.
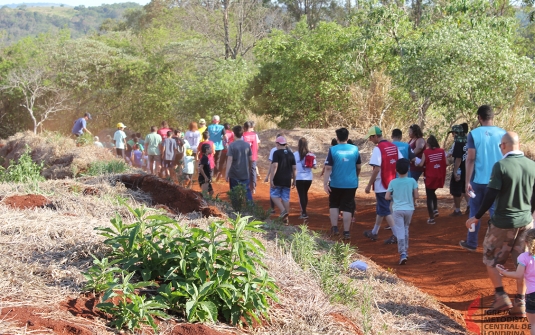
<point x="35" y="320"/>
<point x="61" y="157"/>
<point x="85" y="306"/>
<point x="177" y="199"/>
<point x="27" y="201"/>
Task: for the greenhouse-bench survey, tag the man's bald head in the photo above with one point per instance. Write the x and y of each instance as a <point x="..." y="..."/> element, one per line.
<point x="510" y="142"/>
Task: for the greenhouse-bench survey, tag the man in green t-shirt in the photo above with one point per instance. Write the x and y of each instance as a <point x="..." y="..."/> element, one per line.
<point x="153" y="147"/>
<point x="511" y="186"/>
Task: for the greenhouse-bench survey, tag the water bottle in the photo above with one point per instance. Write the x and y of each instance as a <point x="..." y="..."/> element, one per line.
<point x="459" y="171"/>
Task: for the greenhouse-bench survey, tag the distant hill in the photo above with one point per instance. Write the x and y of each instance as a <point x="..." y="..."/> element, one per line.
<point x="33" y="19"/>
<point x="39" y="4"/>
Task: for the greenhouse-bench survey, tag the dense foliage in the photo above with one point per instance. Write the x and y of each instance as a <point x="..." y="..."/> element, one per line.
<point x="311" y="64"/>
<point x="201" y="275"/>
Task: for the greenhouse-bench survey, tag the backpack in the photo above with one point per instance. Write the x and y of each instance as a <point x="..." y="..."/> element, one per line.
<point x="309" y="160"/>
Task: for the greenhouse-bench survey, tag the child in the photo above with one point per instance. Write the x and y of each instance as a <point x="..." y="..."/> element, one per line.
<point x="189" y="167"/>
<point x="205" y="170"/>
<point x="136" y="156"/>
<point x="402" y="191"/>
<point x="525" y="270"/>
<point x="434" y="162"/>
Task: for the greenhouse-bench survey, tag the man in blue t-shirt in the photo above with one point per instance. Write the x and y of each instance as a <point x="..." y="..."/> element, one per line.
<point x="217" y="134"/>
<point x="80" y="125"/>
<point x="483" y="151"/>
<point x="340" y="180"/>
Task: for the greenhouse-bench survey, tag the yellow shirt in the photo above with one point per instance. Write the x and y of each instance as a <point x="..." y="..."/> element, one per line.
<point x="202" y="130"/>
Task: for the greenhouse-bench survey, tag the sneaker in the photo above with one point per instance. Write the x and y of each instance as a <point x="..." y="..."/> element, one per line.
<point x="303" y="217"/>
<point x="284" y="215"/>
<point x="465" y="245"/>
<point x="519" y="308"/>
<point x="501" y="302"/>
<point x="455" y="213"/>
<point x="431" y="221"/>
<point x="391" y="240"/>
<point x="467" y="211"/>
<point x="435" y="213"/>
<point x="346" y="235"/>
<point x="403" y="259"/>
<point x="388" y="228"/>
<point x="272" y="211"/>
<point x="334" y="231"/>
<point x="370" y="235"/>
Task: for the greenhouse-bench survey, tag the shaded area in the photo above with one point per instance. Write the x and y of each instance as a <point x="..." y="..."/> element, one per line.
<point x="164" y="192"/>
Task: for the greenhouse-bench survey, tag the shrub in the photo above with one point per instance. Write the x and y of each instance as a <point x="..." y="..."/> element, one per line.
<point x="105" y="167"/>
<point x="239" y="203"/>
<point x="25" y="170"/>
<point x="203" y="274"/>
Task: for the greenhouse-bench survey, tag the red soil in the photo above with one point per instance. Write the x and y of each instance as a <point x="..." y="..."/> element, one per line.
<point x="27" y="201"/>
<point x="37" y="321"/>
<point x="163" y="192"/>
<point x="437" y="264"/>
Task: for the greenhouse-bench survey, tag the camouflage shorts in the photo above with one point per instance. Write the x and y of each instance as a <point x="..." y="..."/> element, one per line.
<point x="499" y="243"/>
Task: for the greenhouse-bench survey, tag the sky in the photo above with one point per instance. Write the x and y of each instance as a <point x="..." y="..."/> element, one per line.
<point x="86" y="3"/>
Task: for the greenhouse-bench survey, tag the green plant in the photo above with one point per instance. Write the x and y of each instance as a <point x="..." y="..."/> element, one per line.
<point x="25" y="170"/>
<point x="84" y="139"/>
<point x="238" y="198"/>
<point x="105" y="167"/>
<point x="366" y="306"/>
<point x="101" y="275"/>
<point x="131" y="310"/>
<point x="204" y="274"/>
<point x="326" y="262"/>
<point x="239" y="203"/>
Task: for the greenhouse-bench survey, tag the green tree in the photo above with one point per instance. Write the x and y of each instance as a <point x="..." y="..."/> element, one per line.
<point x="457" y="65"/>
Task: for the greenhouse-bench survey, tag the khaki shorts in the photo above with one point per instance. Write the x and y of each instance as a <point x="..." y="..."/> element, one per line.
<point x="499" y="243"/>
<point x="155" y="158"/>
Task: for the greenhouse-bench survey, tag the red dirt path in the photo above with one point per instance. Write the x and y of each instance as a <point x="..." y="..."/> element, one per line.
<point x="437" y="264"/>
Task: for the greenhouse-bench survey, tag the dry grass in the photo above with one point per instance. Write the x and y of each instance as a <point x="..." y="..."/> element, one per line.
<point x="62" y="158"/>
<point x="43" y="253"/>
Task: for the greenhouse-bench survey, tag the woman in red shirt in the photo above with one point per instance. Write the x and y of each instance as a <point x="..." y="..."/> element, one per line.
<point x="434" y="162"/>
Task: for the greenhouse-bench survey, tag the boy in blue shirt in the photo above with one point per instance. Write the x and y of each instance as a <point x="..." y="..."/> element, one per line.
<point x="403" y="191"/>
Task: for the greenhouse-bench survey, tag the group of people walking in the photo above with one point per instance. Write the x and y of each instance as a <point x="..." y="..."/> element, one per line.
<point x="489" y="171"/>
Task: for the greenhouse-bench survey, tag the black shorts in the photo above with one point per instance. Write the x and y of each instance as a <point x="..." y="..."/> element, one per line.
<point x="342" y="198"/>
<point x="457" y="187"/>
<point x="168" y="163"/>
<point x="530" y="303"/>
<point x="119" y="152"/>
<point x="203" y="181"/>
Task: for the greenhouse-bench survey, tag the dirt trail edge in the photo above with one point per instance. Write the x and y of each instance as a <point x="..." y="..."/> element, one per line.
<point x="175" y="198"/>
<point x="437" y="264"/>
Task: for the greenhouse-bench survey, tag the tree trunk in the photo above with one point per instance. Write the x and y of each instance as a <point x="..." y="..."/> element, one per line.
<point x="226" y="4"/>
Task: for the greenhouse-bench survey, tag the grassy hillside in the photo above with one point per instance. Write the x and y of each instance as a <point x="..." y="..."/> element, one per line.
<point x="17" y="23"/>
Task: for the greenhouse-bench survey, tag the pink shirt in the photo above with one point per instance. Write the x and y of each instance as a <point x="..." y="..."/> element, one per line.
<point x="529" y="273"/>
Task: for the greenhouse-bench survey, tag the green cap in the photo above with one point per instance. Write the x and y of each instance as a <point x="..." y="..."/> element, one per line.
<point x="375" y="131"/>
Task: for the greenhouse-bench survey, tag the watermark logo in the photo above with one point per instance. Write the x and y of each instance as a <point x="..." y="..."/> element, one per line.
<point x="481" y="320"/>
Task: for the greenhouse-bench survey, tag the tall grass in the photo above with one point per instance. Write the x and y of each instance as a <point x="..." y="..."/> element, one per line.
<point x="326" y="262"/>
<point x="106" y="167"/>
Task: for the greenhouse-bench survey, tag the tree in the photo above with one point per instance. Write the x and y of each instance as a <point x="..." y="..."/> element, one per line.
<point x="39" y="96"/>
<point x="233" y="27"/>
<point x="457" y="67"/>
